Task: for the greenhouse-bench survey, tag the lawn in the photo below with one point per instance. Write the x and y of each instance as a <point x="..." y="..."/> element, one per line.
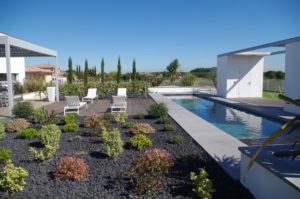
<point x="109" y="177"/>
<point x="271" y="95"/>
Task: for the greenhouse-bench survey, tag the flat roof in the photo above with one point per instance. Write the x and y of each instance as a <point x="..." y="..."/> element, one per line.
<point x="281" y="43"/>
<point x="21" y="48"/>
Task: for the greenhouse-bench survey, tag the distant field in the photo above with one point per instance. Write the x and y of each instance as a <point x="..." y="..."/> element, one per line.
<point x="271" y="95"/>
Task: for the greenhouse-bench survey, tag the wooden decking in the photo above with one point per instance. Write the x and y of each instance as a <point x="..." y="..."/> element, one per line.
<point x="101" y="106"/>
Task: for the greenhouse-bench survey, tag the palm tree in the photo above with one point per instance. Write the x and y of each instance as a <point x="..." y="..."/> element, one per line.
<point x="173" y="70"/>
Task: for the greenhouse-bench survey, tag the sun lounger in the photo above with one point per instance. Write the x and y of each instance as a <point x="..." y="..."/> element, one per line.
<point x="73" y="104"/>
<point x="91" y="95"/>
<point x="119" y="103"/>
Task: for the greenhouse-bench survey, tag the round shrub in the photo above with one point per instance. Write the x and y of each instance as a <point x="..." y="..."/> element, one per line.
<point x="140" y="141"/>
<point x="139" y="116"/>
<point x="96" y="123"/>
<point x="16" y="125"/>
<point x="113" y="143"/>
<point x="108" y="116"/>
<point x="177" y="139"/>
<point x="143" y="128"/>
<point x="129" y="124"/>
<point x="27" y="134"/>
<point x="169" y="127"/>
<point x="50" y="135"/>
<point x="70" y="127"/>
<point x="5" y="155"/>
<point x="69" y="118"/>
<point x="164" y="120"/>
<point x="23" y="109"/>
<point x="203" y="186"/>
<point x="40" y="115"/>
<point x="2" y="131"/>
<point x="12" y="178"/>
<point x="70" y="168"/>
<point x="157" y="110"/>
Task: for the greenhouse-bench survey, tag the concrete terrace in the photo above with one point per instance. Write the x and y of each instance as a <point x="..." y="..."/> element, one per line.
<point x="101" y="106"/>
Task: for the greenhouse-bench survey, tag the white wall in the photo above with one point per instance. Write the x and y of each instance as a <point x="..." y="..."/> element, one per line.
<point x="240" y="76"/>
<point x="292" y="74"/>
<point x="174" y="90"/>
<point x="17" y="67"/>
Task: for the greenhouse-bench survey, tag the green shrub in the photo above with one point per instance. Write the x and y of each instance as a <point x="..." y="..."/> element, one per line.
<point x="113" y="144"/>
<point x="169" y="127"/>
<point x="16" y="125"/>
<point x="23" y="109"/>
<point x="164" y="120"/>
<point x="69" y="118"/>
<point x="177" y="139"/>
<point x="2" y="131"/>
<point x="96" y="123"/>
<point x="75" y="138"/>
<point x="5" y="155"/>
<point x="120" y="117"/>
<point x="202" y="184"/>
<point x="188" y="79"/>
<point x="129" y="124"/>
<point x="108" y="116"/>
<point x="71" y="127"/>
<point x="49" y="136"/>
<point x="33" y="85"/>
<point x="143" y="128"/>
<point x="157" y="110"/>
<point x="40" y="115"/>
<point x="27" y="134"/>
<point x="12" y="178"/>
<point x="139" y="116"/>
<point x="140" y="141"/>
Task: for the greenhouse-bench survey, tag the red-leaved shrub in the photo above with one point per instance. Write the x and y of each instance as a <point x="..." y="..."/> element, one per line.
<point x="70" y="168"/>
<point x="143" y="128"/>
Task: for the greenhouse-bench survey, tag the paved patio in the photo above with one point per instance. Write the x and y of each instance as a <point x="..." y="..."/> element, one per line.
<point x="101" y="106"/>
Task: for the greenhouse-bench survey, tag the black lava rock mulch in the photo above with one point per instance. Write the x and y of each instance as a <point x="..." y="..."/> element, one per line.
<point x="106" y="176"/>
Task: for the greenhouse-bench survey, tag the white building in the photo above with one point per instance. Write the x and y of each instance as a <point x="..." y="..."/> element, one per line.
<point x="240" y="73"/>
<point x="17" y="69"/>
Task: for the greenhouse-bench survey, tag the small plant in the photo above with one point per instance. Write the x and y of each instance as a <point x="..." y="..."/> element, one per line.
<point x="27" y="134"/>
<point x="23" y="109"/>
<point x="157" y="110"/>
<point x="149" y="168"/>
<point x="177" y="139"/>
<point x="69" y="118"/>
<point x="120" y="117"/>
<point x="140" y="141"/>
<point x="49" y="136"/>
<point x="76" y="138"/>
<point x="12" y="178"/>
<point x="143" y="128"/>
<point x="139" y="116"/>
<point x="70" y="168"/>
<point x="96" y="123"/>
<point x="129" y="124"/>
<point x="40" y="115"/>
<point x="164" y="120"/>
<point x="113" y="143"/>
<point x="202" y="184"/>
<point x="2" y="131"/>
<point x="5" y="155"/>
<point x="169" y="127"/>
<point x="108" y="116"/>
<point x="70" y="127"/>
<point x="16" y="125"/>
<point x="188" y="79"/>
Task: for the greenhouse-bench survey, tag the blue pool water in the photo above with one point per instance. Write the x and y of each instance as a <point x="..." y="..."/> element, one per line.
<point x="239" y="124"/>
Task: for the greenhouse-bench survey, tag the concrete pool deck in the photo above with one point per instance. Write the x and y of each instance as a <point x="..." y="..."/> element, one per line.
<point x="218" y="144"/>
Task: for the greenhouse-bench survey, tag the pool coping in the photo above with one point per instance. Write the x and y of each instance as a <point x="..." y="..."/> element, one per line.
<point x="222" y="147"/>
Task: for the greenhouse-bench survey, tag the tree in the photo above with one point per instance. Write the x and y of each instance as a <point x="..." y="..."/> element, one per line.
<point x="133" y="70"/>
<point x="270" y="74"/>
<point x="70" y="71"/>
<point x="102" y="70"/>
<point x="280" y="75"/>
<point x="119" y="73"/>
<point x="86" y="73"/>
<point x="173" y="70"/>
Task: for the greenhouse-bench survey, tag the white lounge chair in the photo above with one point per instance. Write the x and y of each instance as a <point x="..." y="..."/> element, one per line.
<point x="73" y="104"/>
<point x="91" y="95"/>
<point x="119" y="102"/>
<point x="122" y="92"/>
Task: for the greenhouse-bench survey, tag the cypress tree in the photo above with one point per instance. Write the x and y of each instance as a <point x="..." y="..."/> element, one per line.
<point x="86" y="73"/>
<point x="119" y="71"/>
<point x="102" y="70"/>
<point x="133" y="70"/>
<point x="70" y="71"/>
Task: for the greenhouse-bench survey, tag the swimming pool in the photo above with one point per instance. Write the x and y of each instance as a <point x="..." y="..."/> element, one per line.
<point x="239" y="124"/>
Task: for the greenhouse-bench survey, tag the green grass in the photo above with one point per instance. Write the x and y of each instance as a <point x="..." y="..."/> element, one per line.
<point x="270" y="95"/>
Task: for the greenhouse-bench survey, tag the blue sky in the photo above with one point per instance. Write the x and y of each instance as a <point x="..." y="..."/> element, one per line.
<point x="153" y="32"/>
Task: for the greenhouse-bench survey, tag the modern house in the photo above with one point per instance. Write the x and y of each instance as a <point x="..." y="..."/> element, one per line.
<point x="17" y="69"/>
<point x="43" y="71"/>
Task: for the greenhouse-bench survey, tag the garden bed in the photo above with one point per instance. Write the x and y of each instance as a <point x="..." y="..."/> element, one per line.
<point x="106" y="175"/>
